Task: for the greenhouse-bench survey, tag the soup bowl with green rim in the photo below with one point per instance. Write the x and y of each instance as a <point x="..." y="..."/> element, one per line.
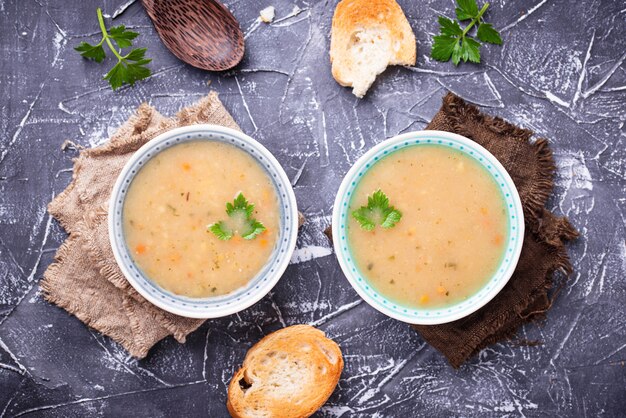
<point x="513" y="241"/>
<point x="262" y="282"/>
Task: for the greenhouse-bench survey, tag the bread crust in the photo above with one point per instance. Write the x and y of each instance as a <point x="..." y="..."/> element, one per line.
<point x="289" y="373"/>
<point x="352" y="16"/>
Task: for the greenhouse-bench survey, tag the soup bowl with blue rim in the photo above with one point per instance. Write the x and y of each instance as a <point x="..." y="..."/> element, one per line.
<point x="513" y="241"/>
<point x="262" y="282"/>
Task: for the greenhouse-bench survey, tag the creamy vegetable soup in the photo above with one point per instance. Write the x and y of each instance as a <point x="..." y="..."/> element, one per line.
<point x="176" y="196"/>
<point x="450" y="238"/>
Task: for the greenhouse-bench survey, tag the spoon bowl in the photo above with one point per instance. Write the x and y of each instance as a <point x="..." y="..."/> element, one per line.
<point x="202" y="33"/>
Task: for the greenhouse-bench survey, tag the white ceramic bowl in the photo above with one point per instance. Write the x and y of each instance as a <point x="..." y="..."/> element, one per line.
<point x="258" y="286"/>
<point x="497" y="281"/>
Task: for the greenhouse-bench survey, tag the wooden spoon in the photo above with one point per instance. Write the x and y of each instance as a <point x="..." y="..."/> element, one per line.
<point x="202" y="33"/>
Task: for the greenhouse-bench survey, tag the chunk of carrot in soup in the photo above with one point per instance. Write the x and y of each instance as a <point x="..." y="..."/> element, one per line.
<point x="140" y="249"/>
<point x="424" y="299"/>
<point x="186" y="166"/>
<point x="498" y="239"/>
<point x="263" y="242"/>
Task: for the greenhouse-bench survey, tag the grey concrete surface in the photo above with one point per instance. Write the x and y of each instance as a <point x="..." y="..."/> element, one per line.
<point x="561" y="72"/>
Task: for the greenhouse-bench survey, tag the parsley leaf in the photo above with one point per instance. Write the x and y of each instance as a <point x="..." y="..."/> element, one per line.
<point x="129" y="70"/>
<point x="221" y="231"/>
<point x="470" y="50"/>
<point x="468" y="9"/>
<point x="456" y="53"/>
<point x="94" y="52"/>
<point x="256" y="228"/>
<point x="363" y="216"/>
<point x="377" y="212"/>
<point x="130" y="67"/>
<point x="117" y="75"/>
<point x="443" y="47"/>
<point x="455" y="43"/>
<point x="240" y="204"/>
<point x="449" y="27"/>
<point x="487" y="33"/>
<point x="391" y="218"/>
<point x="239" y="212"/>
<point x="121" y="36"/>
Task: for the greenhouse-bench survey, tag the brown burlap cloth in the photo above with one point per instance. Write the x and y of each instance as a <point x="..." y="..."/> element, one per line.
<point x="85" y="280"/>
<point x="526" y="295"/>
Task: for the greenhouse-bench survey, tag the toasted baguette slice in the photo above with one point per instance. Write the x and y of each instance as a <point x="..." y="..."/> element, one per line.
<point x="366" y="37"/>
<point x="289" y="373"/>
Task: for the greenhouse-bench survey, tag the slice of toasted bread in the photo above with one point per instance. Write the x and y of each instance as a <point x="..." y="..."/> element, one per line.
<point x="366" y="37"/>
<point x="289" y="373"/>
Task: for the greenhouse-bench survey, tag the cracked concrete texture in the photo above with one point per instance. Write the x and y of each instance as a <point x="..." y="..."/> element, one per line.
<point x="561" y="74"/>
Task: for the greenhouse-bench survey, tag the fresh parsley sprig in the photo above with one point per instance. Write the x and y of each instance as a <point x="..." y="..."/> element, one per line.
<point x="377" y="212"/>
<point x="130" y="67"/>
<point x="454" y="42"/>
<point x="239" y="211"/>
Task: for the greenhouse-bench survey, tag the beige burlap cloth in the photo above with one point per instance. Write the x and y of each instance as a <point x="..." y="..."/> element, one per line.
<point x="84" y="279"/>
